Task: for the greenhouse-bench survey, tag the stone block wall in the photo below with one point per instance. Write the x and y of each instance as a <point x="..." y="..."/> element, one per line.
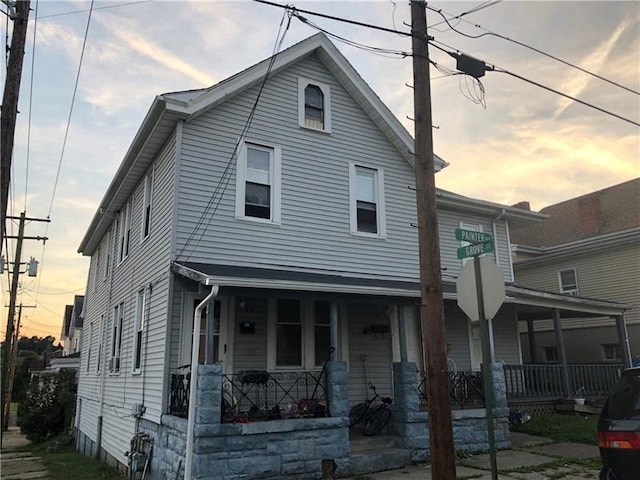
<point x="169" y="447"/>
<point x="469" y="426"/>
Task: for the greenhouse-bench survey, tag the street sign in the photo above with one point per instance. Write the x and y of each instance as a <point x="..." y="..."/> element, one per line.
<point x="472" y="236"/>
<point x="493" y="291"/>
<point x="476" y="249"/>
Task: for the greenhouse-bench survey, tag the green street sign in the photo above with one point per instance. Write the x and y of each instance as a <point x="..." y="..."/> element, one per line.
<point x="476" y="249"/>
<point x="472" y="236"/>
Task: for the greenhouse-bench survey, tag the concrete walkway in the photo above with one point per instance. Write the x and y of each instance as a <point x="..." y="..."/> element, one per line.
<point x="527" y="453"/>
<point x="15" y="462"/>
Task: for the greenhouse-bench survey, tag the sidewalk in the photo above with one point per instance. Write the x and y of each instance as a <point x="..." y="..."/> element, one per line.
<point x="527" y="453"/>
<point x="16" y="464"/>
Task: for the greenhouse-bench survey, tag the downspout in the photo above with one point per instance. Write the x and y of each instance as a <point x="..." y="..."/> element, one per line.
<point x="195" y="348"/>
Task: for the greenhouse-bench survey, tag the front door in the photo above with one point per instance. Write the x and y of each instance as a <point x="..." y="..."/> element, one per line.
<point x="213" y="332"/>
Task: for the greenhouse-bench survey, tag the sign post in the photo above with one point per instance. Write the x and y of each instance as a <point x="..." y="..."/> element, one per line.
<point x="480" y="291"/>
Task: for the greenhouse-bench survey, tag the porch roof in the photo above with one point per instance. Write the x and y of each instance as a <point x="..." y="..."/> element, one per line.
<point x="267" y="278"/>
<point x="531" y="304"/>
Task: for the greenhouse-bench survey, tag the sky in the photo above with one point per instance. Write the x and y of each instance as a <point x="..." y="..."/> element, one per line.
<point x="520" y="142"/>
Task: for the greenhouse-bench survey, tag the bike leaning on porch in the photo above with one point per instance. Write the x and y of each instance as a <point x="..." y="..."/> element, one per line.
<point x="373" y="414"/>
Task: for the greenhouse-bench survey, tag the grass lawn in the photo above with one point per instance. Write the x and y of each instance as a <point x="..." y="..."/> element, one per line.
<point x="563" y="428"/>
<point x="65" y="463"/>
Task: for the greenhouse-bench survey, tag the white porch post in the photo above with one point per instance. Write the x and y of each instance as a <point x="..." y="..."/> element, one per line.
<point x="402" y="332"/>
<point x="623" y="339"/>
<point x="333" y="332"/>
<point x="557" y="327"/>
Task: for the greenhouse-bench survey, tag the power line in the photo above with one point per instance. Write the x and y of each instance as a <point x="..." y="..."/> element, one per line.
<point x="495" y="68"/>
<point x="33" y="59"/>
<point x="73" y="99"/>
<point x="534" y="49"/>
<point x="221" y="187"/>
<point x="95" y="8"/>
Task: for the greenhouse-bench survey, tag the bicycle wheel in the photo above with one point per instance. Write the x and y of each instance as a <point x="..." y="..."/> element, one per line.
<point x="376" y="421"/>
<point x="357" y="413"/>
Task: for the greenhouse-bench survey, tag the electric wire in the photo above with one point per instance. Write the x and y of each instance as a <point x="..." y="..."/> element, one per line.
<point x="33" y="59"/>
<point x="495" y="68"/>
<point x="534" y="49"/>
<point x="94" y="9"/>
<point x="216" y="197"/>
<point x="73" y="100"/>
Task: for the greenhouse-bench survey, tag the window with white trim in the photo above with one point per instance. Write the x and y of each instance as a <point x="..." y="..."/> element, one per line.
<point x="107" y="261"/>
<point x="116" y="338"/>
<point x="299" y="333"/>
<point x="258" y="183"/>
<point x="568" y="281"/>
<point x="89" y="347"/>
<point x="146" y="207"/>
<point x="125" y="231"/>
<point x="96" y="270"/>
<point x="366" y="198"/>
<point x="611" y="352"/>
<point x="100" y="340"/>
<point x="141" y="302"/>
<point x="314" y="105"/>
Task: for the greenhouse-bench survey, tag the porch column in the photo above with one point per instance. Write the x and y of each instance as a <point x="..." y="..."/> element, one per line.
<point x="337" y="389"/>
<point x="402" y="332"/>
<point x="333" y="332"/>
<point x="532" y="341"/>
<point x="623" y="339"/>
<point x="557" y="327"/>
<point x="209" y="353"/>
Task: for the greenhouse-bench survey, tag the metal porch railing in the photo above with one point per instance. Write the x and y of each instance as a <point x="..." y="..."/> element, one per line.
<point x="465" y="390"/>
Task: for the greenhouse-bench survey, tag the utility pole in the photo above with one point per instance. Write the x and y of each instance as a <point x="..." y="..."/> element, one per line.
<point x="10" y="102"/>
<point x="13" y="293"/>
<point x="13" y="366"/>
<point x="443" y="465"/>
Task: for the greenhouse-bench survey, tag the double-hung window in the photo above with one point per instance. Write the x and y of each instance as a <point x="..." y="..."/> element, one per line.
<point x="299" y="333"/>
<point x="258" y="183"/>
<point x="146" y="207"/>
<point x="89" y="346"/>
<point x="314" y="105"/>
<point x="366" y="192"/>
<point x="138" y="331"/>
<point x="568" y="281"/>
<point x="116" y="338"/>
<point x="99" y="358"/>
<point x="288" y="333"/>
<point x="125" y="231"/>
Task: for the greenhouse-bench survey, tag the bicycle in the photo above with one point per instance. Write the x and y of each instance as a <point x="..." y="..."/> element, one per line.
<point x="373" y="413"/>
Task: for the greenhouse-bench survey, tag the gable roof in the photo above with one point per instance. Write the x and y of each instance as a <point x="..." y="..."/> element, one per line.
<point x="166" y="109"/>
<point x="598" y="214"/>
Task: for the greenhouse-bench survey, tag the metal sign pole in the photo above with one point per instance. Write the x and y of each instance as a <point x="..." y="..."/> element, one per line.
<point x="487" y="369"/>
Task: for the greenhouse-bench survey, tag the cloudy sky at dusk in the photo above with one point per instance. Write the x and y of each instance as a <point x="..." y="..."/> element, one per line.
<point x="525" y="143"/>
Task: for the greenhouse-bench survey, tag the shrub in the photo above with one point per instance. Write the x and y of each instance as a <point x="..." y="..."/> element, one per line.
<point x="49" y="404"/>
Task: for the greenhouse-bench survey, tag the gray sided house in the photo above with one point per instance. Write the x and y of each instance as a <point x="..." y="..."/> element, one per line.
<point x="589" y="246"/>
<point x="254" y="265"/>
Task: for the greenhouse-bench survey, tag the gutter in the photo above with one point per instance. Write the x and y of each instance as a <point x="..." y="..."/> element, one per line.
<point x="195" y="344"/>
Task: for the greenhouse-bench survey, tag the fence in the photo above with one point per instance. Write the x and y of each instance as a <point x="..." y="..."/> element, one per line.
<point x="465" y="389"/>
<point x="538" y="381"/>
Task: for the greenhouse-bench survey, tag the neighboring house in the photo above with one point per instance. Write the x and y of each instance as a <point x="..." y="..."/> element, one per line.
<point x="280" y="217"/>
<point x="589" y="246"/>
<point x="72" y="324"/>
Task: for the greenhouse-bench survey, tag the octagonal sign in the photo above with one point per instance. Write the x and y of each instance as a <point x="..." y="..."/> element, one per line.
<point x="492" y="289"/>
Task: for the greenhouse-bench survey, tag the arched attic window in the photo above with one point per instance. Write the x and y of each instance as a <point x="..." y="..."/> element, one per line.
<point x="314" y="107"/>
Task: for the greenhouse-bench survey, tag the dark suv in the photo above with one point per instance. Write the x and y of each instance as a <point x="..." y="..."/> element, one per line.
<point x="619" y="429"/>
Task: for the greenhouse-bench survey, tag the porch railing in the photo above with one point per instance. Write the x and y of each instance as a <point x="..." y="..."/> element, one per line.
<point x="538" y="381"/>
<point x="465" y="389"/>
<point x="260" y="395"/>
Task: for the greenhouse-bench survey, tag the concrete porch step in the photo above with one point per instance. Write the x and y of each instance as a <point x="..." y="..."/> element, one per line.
<point x="378" y="460"/>
<point x="361" y="443"/>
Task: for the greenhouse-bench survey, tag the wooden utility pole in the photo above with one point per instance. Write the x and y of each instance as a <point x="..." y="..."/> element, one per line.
<point x="10" y="105"/>
<point x="13" y="366"/>
<point x="443" y="465"/>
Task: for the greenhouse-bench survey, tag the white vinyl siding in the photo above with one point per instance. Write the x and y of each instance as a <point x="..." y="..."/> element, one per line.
<point x="258" y="183"/>
<point x="314" y="105"/>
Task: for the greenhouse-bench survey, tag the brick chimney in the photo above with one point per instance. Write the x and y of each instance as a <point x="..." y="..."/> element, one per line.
<point x="590" y="213"/>
<point x="522" y="205"/>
